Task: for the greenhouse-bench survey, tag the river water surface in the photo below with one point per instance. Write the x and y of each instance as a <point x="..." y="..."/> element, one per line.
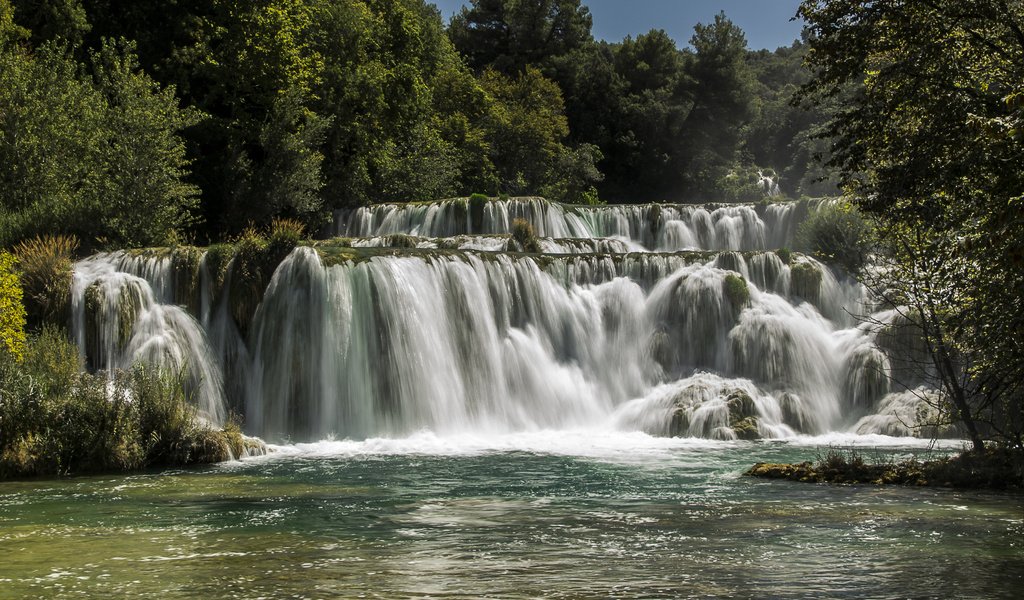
<point x="561" y="515"/>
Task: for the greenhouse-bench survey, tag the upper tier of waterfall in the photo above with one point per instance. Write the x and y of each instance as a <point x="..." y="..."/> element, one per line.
<point x="657" y="227"/>
<point x="451" y="331"/>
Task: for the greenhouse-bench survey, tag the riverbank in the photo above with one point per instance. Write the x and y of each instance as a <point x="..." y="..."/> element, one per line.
<point x="996" y="468"/>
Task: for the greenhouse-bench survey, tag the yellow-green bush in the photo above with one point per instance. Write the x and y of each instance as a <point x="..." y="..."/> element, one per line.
<point x="12" y="311"/>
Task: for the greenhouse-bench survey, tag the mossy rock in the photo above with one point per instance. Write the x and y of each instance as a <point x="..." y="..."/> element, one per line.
<point x="524" y="236"/>
<point x="743" y="415"/>
<point x="792" y="411"/>
<point x="746" y="429"/>
<point x="805" y="282"/>
<point x="128" y="308"/>
<point x="784" y="255"/>
<point x="730" y="261"/>
<point x="737" y="292"/>
<point x="654" y="219"/>
<point x="477" y="205"/>
<point x="251" y="270"/>
<point x="401" y="240"/>
<point x="185" y="261"/>
<point x="679" y="426"/>
<point x="741" y="406"/>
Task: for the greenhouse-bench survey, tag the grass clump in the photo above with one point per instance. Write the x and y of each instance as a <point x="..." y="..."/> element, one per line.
<point x="524" y="236"/>
<point x="56" y="419"/>
<point x="45" y="268"/>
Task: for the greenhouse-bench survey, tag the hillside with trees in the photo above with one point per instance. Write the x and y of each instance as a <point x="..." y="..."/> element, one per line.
<point x="209" y="117"/>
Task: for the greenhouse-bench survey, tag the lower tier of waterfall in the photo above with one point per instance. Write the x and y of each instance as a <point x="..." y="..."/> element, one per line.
<point x="362" y="342"/>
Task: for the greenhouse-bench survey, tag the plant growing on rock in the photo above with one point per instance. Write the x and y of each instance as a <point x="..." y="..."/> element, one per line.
<point x="524" y="236"/>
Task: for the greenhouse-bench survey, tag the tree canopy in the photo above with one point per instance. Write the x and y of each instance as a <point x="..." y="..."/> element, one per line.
<point x="213" y="116"/>
<point x="928" y="140"/>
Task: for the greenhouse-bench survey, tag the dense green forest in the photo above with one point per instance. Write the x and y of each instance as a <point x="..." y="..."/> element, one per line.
<point x="207" y="117"/>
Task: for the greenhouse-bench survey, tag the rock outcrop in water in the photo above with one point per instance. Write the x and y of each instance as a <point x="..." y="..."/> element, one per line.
<point x="674" y="320"/>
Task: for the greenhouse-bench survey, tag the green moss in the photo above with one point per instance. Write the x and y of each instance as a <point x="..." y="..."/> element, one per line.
<point x="736" y="291"/>
<point x="784" y="255"/>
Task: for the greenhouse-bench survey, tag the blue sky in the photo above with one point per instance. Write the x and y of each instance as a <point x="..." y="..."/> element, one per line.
<point x="766" y="22"/>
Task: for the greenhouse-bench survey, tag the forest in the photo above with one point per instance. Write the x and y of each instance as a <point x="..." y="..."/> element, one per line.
<point x="209" y="117"/>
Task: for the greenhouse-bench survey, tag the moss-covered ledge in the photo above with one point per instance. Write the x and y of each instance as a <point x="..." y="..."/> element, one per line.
<point x="996" y="468"/>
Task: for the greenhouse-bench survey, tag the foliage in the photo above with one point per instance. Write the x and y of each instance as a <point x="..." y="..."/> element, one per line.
<point x="45" y="267"/>
<point x="722" y="92"/>
<point x="837" y="233"/>
<point x="509" y="35"/>
<point x="525" y="128"/>
<point x="57" y="420"/>
<point x="928" y="142"/>
<point x="85" y="152"/>
<point x="12" y="311"/>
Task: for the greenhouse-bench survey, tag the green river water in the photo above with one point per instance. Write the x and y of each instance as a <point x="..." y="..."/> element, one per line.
<point x="559" y="515"/>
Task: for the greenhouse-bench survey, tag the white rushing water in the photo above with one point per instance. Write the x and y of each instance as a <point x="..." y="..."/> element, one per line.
<point x="719" y="346"/>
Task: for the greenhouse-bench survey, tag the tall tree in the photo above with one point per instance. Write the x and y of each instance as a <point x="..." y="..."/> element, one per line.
<point x="722" y="102"/>
<point x="929" y="142"/>
<point x="508" y="35"/>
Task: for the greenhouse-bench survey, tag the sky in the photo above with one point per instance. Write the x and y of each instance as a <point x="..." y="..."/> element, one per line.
<point x="766" y="22"/>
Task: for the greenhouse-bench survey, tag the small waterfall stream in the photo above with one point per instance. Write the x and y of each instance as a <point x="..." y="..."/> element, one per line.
<point x="424" y="320"/>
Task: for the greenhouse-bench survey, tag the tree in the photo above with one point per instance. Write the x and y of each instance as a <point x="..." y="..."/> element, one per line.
<point x="508" y="35"/>
<point x="929" y="143"/>
<point x="86" y="153"/>
<point x="722" y="103"/>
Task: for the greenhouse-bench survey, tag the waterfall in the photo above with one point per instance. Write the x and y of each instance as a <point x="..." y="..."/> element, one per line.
<point x="427" y="320"/>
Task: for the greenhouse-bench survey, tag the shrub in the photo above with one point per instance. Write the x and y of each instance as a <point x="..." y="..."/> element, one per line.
<point x="56" y="419"/>
<point x="784" y="255"/>
<point x="45" y="265"/>
<point x="837" y="233"/>
<point x="12" y="311"/>
<point x="522" y="233"/>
